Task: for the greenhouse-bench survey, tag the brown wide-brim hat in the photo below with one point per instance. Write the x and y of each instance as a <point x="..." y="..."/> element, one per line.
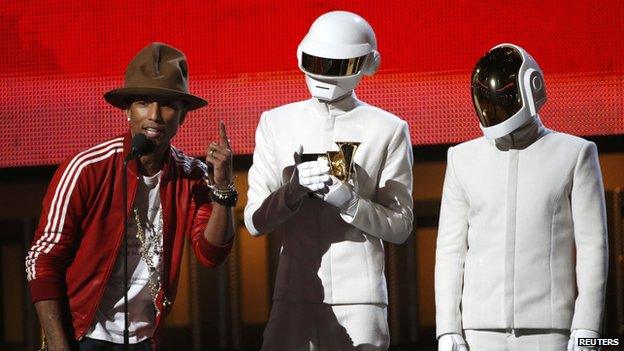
<point x="158" y="71"/>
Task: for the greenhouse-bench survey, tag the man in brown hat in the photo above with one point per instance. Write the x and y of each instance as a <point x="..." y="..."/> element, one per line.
<point x="75" y="266"/>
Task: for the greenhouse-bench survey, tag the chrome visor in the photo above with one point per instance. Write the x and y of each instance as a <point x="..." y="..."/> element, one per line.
<point x="496" y="86"/>
<point x="331" y="67"/>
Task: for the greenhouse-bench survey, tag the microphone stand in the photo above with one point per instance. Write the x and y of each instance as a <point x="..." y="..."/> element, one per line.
<point x="126" y="332"/>
<point x="140" y="146"/>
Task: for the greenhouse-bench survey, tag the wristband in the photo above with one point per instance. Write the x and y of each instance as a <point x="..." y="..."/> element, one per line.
<point x="226" y="197"/>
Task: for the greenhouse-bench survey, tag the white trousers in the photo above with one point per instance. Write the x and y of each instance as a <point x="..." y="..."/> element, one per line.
<point x="320" y="327"/>
<point x="517" y="340"/>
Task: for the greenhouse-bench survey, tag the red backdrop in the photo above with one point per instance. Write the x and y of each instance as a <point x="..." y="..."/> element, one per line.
<point x="59" y="57"/>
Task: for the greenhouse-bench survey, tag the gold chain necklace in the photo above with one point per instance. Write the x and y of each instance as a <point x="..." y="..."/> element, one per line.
<point x="151" y="248"/>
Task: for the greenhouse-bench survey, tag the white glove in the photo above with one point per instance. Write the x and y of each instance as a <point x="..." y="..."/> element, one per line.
<point x="313" y="174"/>
<point x="452" y="342"/>
<point x="306" y="177"/>
<point x="581" y="333"/>
<point x="341" y="195"/>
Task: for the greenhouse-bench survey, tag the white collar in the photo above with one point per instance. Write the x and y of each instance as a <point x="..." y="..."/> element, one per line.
<point x="524" y="136"/>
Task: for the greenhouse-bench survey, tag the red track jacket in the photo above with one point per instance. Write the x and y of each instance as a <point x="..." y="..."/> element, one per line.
<point x="81" y="227"/>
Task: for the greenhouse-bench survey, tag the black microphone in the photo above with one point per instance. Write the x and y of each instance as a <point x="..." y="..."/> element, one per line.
<point x="141" y="146"/>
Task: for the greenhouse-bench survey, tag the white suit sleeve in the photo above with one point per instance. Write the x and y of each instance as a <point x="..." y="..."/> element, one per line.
<point x="590" y="236"/>
<point x="389" y="217"/>
<point x="266" y="198"/>
<point x="451" y="250"/>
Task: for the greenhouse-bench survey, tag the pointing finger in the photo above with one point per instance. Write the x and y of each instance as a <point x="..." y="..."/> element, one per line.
<point x="223" y="135"/>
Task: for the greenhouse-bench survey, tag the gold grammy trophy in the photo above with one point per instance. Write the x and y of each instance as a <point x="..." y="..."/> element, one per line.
<point x="341" y="162"/>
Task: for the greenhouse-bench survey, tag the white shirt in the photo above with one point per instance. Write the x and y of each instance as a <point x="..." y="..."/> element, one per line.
<point x="108" y="322"/>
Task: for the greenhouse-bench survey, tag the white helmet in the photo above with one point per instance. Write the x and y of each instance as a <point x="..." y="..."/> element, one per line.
<point x="337" y="51"/>
<point x="507" y="89"/>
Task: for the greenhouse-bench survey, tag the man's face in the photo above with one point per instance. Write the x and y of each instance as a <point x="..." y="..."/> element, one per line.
<point x="159" y="119"/>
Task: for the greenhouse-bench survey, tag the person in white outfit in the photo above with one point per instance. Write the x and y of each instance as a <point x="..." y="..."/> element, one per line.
<point x="521" y="258"/>
<point x="330" y="290"/>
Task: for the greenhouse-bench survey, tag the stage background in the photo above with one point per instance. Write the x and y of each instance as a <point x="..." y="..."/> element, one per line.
<point x="59" y="58"/>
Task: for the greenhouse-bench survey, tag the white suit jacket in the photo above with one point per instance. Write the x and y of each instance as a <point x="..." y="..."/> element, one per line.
<point x="327" y="256"/>
<point x="511" y="224"/>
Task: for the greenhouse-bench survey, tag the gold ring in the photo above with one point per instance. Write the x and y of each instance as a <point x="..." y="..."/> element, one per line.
<point x="212" y="153"/>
